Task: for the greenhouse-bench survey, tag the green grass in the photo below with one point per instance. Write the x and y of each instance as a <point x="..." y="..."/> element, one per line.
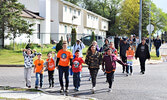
<point x="9" y="57"/>
<point x="2" y="98"/>
<point x="153" y="56"/>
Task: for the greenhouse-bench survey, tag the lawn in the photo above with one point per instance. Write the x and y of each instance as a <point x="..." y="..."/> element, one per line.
<point x="9" y="57"/>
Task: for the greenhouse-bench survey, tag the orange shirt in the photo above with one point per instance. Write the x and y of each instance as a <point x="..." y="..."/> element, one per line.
<point x="129" y="52"/>
<point x="65" y="57"/>
<point x="39" y="66"/>
<point x="51" y="64"/>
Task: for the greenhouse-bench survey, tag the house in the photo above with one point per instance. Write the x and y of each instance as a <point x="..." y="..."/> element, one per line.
<point x="55" y="19"/>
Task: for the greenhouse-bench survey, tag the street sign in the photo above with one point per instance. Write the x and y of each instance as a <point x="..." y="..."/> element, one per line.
<point x="150" y="29"/>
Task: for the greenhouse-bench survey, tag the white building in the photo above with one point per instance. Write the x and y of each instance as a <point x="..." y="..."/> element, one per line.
<point x="55" y="18"/>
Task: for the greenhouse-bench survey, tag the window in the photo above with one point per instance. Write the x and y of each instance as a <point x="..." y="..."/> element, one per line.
<point x="70" y="10"/>
<point x="79" y="13"/>
<point x="65" y="29"/>
<point x="38" y="31"/>
<point x="74" y="11"/>
<point x="65" y="8"/>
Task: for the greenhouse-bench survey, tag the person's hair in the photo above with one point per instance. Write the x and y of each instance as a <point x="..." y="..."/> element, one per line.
<point x="143" y="38"/>
<point x="49" y="53"/>
<point x="76" y="51"/>
<point x="106" y="40"/>
<point x="108" y="49"/>
<point x="30" y="50"/>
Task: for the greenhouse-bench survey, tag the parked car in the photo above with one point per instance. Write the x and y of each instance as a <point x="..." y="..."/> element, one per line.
<point x="87" y="40"/>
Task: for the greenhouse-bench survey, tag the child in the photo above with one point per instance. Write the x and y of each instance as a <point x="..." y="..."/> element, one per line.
<point x="38" y="69"/>
<point x="109" y="61"/>
<point x="77" y="68"/>
<point x="50" y="67"/>
<point x="130" y="55"/>
<point x="28" y="62"/>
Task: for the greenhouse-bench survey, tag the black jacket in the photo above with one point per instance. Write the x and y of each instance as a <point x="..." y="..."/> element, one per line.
<point x="157" y="43"/>
<point x="123" y="48"/>
<point x="145" y="54"/>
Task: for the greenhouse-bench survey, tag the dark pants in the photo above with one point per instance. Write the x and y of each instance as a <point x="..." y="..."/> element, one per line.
<point x="64" y="70"/>
<point x="116" y="46"/>
<point x="157" y="52"/>
<point x="39" y="76"/>
<point x="127" y="69"/>
<point x="110" y="78"/>
<point x="93" y="73"/>
<point x="142" y="64"/>
<point x="124" y="59"/>
<point x="51" y="77"/>
<point x="76" y="79"/>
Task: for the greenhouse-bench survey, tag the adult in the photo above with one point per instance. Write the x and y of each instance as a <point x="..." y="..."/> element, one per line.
<point x="157" y="45"/>
<point x="134" y="43"/>
<point x="137" y="41"/>
<point x="116" y="41"/>
<point x="28" y="63"/>
<point x="93" y="60"/>
<point x="123" y="47"/>
<point x="106" y="45"/>
<point x="63" y="63"/>
<point x="78" y="46"/>
<point x="142" y="53"/>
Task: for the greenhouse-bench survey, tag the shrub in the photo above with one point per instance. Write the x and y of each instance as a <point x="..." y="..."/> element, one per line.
<point x="73" y="34"/>
<point x="59" y="45"/>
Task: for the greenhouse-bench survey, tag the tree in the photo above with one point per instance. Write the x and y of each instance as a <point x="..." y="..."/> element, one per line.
<point x="59" y="46"/>
<point x="73" y="34"/>
<point x="93" y="36"/>
<point x="129" y="17"/>
<point x="10" y="20"/>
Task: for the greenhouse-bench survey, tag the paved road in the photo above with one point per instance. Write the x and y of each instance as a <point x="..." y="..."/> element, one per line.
<point x="151" y="86"/>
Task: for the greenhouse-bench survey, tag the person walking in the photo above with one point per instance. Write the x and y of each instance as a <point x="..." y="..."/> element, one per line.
<point x="28" y="63"/>
<point x="50" y="67"/>
<point x="130" y="56"/>
<point x="109" y="66"/>
<point x="157" y="45"/>
<point x="106" y="45"/>
<point x="78" y="46"/>
<point x="116" y="41"/>
<point x="93" y="60"/>
<point x="142" y="53"/>
<point x="123" y="47"/>
<point x="63" y="63"/>
<point x="38" y="70"/>
<point x="77" y="68"/>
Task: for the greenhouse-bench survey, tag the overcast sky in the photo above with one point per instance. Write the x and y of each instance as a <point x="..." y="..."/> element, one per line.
<point x="161" y="4"/>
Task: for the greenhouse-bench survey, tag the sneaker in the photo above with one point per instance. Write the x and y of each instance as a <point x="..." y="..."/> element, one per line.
<point x="127" y="74"/>
<point x="143" y="72"/>
<point x="61" y="90"/>
<point x="36" y="87"/>
<point x="89" y="79"/>
<point x="93" y="90"/>
<point x="53" y="85"/>
<point x="131" y="73"/>
<point x="122" y="71"/>
<point x="109" y="90"/>
<point x="66" y="90"/>
<point x="29" y="86"/>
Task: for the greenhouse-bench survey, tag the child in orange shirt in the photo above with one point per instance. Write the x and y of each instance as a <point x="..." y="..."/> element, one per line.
<point x="50" y="63"/>
<point x="130" y="55"/>
<point x="38" y="69"/>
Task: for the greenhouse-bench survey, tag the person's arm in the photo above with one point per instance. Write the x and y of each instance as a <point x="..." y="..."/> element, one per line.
<point x="87" y="59"/>
<point x="83" y="45"/>
<point x="103" y="63"/>
<point x="57" y="62"/>
<point x="71" y="62"/>
<point x="35" y="53"/>
<point x="24" y="52"/>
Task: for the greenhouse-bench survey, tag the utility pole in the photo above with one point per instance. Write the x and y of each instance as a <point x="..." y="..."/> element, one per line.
<point x="140" y="21"/>
<point x="150" y="26"/>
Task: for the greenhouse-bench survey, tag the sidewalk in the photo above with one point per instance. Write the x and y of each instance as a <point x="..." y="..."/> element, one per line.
<point x="34" y="96"/>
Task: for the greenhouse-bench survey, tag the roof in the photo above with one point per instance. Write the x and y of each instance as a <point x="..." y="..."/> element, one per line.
<point x="73" y="5"/>
<point x="30" y="14"/>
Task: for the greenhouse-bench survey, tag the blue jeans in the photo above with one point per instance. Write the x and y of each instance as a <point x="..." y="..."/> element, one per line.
<point x="39" y="75"/>
<point x="130" y="63"/>
<point x="76" y="79"/>
<point x="157" y="52"/>
<point x="64" y="70"/>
